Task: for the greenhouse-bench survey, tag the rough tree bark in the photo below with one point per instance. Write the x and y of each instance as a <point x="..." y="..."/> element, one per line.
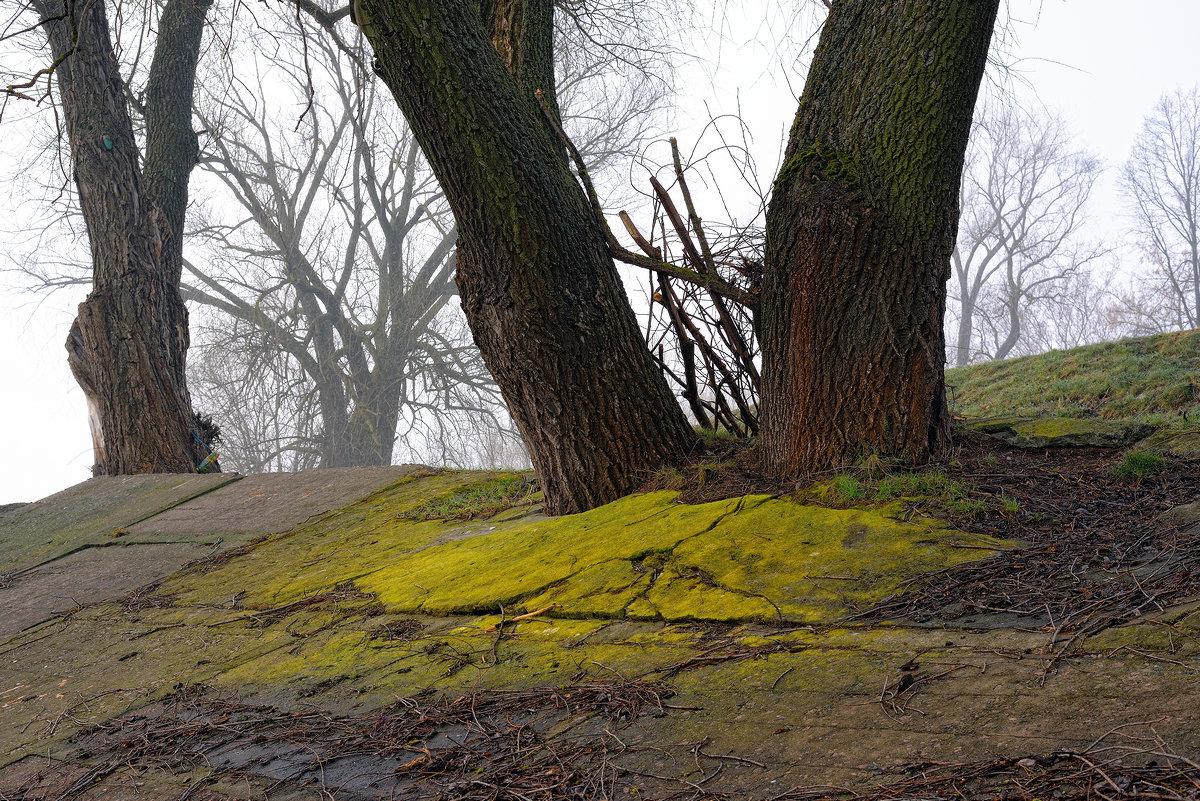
<point x="541" y="294"/>
<point x="860" y="229"/>
<point x="128" y="344"/>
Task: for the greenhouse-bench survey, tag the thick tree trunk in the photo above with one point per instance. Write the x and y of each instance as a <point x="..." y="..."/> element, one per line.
<point x="127" y="346"/>
<point x="538" y="286"/>
<point x="860" y="230"/>
<point x="366" y="435"/>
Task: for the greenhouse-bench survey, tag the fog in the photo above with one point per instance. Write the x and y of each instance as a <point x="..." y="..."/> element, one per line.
<point x="1100" y="68"/>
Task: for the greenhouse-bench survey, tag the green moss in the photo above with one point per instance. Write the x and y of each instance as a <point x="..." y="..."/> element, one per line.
<point x="818" y="159"/>
<point x="810" y="562"/>
<point x="601" y="591"/>
<point x="1053" y="432"/>
<point x="685" y="593"/>
<point x="1175" y="441"/>
<point x="328" y="551"/>
<point x="1140" y="636"/>
<point x="753" y="558"/>
<point x="512" y="563"/>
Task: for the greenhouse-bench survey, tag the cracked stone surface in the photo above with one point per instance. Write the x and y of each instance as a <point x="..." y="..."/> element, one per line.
<point x="113" y="534"/>
<point x="89" y="513"/>
<point x="744" y="607"/>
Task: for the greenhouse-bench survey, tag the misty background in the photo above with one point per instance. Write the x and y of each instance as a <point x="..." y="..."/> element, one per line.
<point x="1065" y="102"/>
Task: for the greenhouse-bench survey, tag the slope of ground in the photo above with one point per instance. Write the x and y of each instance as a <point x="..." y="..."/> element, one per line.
<point x="416" y="637"/>
<point x="1156" y="379"/>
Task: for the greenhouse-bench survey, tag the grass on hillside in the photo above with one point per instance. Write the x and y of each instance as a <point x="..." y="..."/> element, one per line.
<point x="1156" y="379"/>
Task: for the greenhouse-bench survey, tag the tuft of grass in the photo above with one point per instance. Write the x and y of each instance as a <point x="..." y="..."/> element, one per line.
<point x="931" y="487"/>
<point x="846" y="488"/>
<point x="481" y="500"/>
<point x="929" y="484"/>
<point x="1150" y="378"/>
<point x="720" y="435"/>
<point x="1136" y="465"/>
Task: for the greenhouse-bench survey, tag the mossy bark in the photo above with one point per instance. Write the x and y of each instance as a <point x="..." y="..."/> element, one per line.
<point x="860" y="230"/>
<point x="538" y="286"/>
<point x="127" y="347"/>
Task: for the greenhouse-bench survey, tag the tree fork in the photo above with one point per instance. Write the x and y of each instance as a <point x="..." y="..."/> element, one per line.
<point x="127" y="347"/>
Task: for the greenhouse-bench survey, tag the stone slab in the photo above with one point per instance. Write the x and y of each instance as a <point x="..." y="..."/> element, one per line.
<point x="1063" y="432"/>
<point x="87" y="513"/>
<point x="303" y="622"/>
<point x="87" y="576"/>
<point x="271" y="503"/>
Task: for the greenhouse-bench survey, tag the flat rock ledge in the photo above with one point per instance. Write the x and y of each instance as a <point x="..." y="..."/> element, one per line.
<point x="1057" y="432"/>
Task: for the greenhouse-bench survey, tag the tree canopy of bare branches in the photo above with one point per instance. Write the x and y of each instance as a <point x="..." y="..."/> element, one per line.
<point x="1161" y="182"/>
<point x="330" y="274"/>
<point x="1024" y="197"/>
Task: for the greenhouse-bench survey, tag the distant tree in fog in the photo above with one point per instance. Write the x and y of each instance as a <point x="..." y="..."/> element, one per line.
<point x="332" y="334"/>
<point x="1024" y="195"/>
<point x="1161" y="182"/>
<point x="331" y="325"/>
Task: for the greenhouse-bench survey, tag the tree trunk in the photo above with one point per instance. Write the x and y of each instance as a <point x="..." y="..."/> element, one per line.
<point x="966" y="329"/>
<point x="860" y="229"/>
<point x="541" y="294"/>
<point x="128" y="345"/>
<point x="1012" y="307"/>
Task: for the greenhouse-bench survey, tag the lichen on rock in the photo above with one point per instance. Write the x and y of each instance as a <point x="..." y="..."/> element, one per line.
<point x="1057" y="432"/>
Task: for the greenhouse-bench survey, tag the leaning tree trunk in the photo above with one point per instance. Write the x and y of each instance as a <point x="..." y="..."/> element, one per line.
<point x="538" y="286"/>
<point x="860" y="229"/>
<point x="128" y="344"/>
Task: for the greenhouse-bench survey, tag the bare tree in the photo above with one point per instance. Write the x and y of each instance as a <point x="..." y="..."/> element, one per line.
<point x="1084" y="309"/>
<point x="1024" y="194"/>
<point x="334" y="279"/>
<point x="132" y="150"/>
<point x="1161" y="181"/>
<point x="332" y="270"/>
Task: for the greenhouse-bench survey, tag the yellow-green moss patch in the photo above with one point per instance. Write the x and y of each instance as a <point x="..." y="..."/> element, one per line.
<point x="752" y="558"/>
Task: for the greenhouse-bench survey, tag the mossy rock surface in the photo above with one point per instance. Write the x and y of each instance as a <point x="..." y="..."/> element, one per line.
<point x="646" y="556"/>
<point x="1058" y="432"/>
<point x="742" y="613"/>
<point x="1183" y="516"/>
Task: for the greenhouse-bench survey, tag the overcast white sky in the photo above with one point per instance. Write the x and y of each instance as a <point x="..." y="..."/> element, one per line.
<point x="1102" y="64"/>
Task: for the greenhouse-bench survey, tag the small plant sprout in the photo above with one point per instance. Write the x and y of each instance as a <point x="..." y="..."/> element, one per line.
<point x="1138" y="465"/>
